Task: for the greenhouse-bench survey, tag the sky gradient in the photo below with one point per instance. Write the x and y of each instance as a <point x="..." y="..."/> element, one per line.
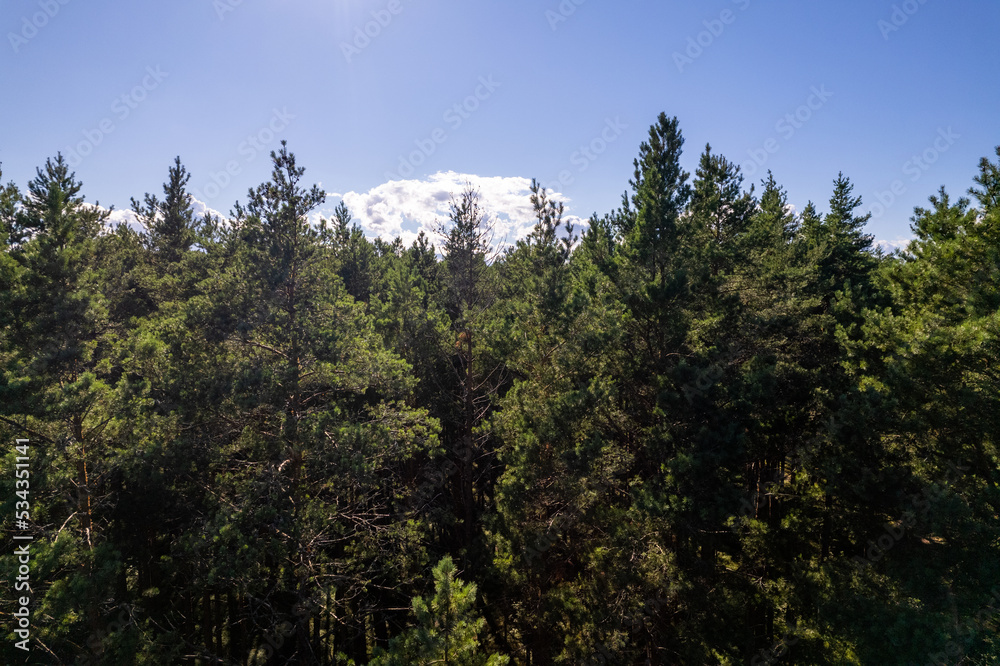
<point x="393" y="104"/>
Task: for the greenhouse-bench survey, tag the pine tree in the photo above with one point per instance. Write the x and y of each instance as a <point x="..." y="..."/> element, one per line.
<point x="9" y="267"/>
<point x="447" y="628"/>
<point x="707" y="431"/>
<point x="720" y="207"/>
<point x="354" y="255"/>
<point x="660" y="194"/>
<point x="850" y="259"/>
<point x="56" y="391"/>
<point x="308" y="436"/>
<point x="471" y="292"/>
<point x="169" y="225"/>
<point x="988" y="180"/>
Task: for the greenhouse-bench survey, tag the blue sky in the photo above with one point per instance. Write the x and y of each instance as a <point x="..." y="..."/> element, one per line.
<point x="498" y="92"/>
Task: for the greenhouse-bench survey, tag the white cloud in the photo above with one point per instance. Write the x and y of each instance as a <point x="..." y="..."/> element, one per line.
<point x="404" y="207"/>
<point x="118" y="217"/>
<point x="125" y="216"/>
<point x="890" y="245"/>
<point x="200" y="208"/>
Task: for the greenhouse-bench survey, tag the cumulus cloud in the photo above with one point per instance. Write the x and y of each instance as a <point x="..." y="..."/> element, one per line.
<point x="403" y="208"/>
<point x="890" y="245"/>
<point x="118" y="216"/>
<point x="125" y="216"/>
<point x="200" y="208"/>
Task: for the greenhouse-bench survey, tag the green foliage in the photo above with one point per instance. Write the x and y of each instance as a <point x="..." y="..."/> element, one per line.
<point x="705" y="429"/>
<point x="447" y="627"/>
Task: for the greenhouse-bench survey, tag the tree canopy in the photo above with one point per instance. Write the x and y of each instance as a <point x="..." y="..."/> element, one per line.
<point x="704" y="428"/>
